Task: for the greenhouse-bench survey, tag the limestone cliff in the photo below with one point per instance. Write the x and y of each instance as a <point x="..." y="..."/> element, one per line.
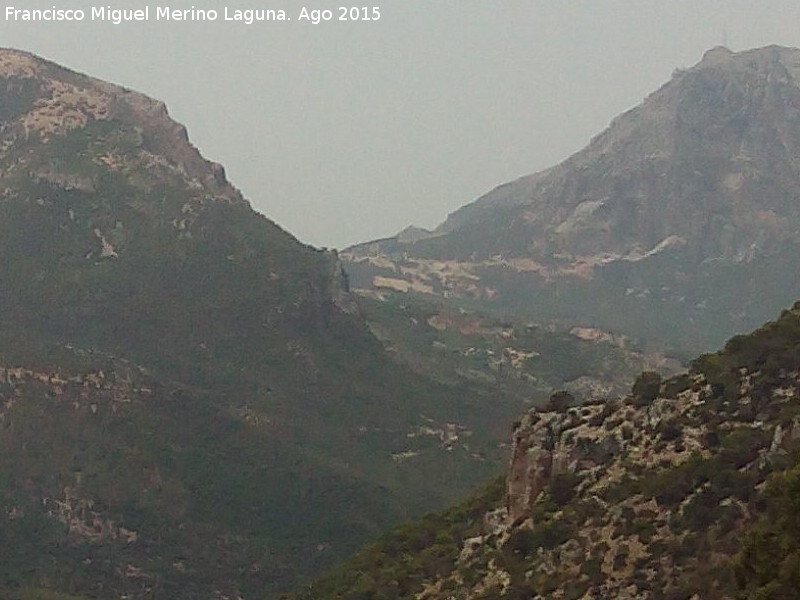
<point x="643" y="497"/>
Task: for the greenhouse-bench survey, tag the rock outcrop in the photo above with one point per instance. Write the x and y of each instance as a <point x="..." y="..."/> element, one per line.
<point x="658" y="495"/>
<point x="637" y="498"/>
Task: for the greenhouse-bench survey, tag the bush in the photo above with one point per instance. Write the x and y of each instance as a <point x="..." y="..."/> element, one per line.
<point x="593" y="569"/>
<point x="522" y="542"/>
<point x="669" y="430"/>
<point x="676" y="385"/>
<point x="768" y="565"/>
<point x="560" y="401"/>
<point x="646" y="388"/>
<point x="562" y="487"/>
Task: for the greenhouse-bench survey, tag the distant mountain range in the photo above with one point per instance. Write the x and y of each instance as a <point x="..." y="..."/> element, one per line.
<point x="683" y="214"/>
<point x="679" y="224"/>
<point x="193" y="404"/>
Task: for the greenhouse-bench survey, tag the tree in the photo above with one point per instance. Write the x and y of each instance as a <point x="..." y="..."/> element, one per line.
<point x="768" y="565"/>
<point x="646" y="388"/>
<point x="560" y="401"/>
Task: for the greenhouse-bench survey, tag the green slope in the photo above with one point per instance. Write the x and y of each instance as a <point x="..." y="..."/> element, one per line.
<point x="192" y="404"/>
<point x="686" y="489"/>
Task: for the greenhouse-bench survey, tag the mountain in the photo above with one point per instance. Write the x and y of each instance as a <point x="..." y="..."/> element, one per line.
<point x="684" y="488"/>
<point x="677" y="225"/>
<point x="191" y="404"/>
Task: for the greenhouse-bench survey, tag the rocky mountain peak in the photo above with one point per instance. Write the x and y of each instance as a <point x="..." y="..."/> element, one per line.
<point x="698" y="183"/>
<point x="698" y="158"/>
<point x="717" y="54"/>
<point x="48" y="101"/>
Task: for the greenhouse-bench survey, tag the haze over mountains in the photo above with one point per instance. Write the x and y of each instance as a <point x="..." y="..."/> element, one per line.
<point x="194" y="405"/>
<point x="192" y="401"/>
<point x="683" y="215"/>
<point x="677" y="224"/>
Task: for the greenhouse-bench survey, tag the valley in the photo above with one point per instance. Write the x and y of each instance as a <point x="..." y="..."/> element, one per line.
<point x="195" y="404"/>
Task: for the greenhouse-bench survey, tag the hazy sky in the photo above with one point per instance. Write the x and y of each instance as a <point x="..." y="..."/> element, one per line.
<point x="348" y="131"/>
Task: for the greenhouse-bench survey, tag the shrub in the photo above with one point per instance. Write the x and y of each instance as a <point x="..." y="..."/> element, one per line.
<point x="562" y="487"/>
<point x="669" y="430"/>
<point x="646" y="388"/>
<point x="676" y="385"/>
<point x="560" y="401"/>
<point x="768" y="565"/>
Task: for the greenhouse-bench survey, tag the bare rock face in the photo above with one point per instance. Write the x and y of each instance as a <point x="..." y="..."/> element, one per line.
<point x="539" y="454"/>
<point x="711" y="151"/>
<point x="691" y="193"/>
<point x="51" y="101"/>
<point x="531" y="468"/>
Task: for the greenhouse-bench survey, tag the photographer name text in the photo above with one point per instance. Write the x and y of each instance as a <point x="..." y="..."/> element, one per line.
<point x="245" y="16"/>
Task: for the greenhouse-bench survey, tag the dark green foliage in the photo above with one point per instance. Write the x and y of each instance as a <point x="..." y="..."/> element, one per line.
<point x="702" y="510"/>
<point x="675" y="385"/>
<point x="644" y="528"/>
<point x="575" y="589"/>
<point x="768" y="565"/>
<point x="517" y="555"/>
<point x="552" y="533"/>
<point x="738" y="448"/>
<point x="522" y="590"/>
<point x="560" y="401"/>
<point x="562" y="487"/>
<point x="22" y="92"/>
<point x="766" y="353"/>
<point x="592" y="568"/>
<point x="395" y="567"/>
<point x="741" y="446"/>
<point x="669" y="430"/>
<point x="621" y="557"/>
<point x="646" y="387"/>
<point x="263" y="451"/>
<point x="627" y="486"/>
<point x="522" y="541"/>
